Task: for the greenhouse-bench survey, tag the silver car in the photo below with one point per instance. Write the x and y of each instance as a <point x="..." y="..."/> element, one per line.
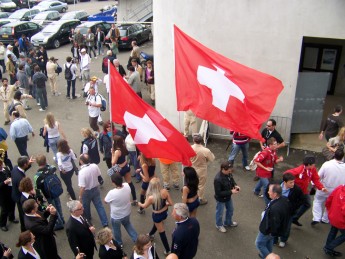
<point x="45" y="18"/>
<point x="51" y="6"/>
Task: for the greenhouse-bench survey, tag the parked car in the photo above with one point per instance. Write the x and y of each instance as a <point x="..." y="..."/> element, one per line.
<point x="105" y="27"/>
<point x="14" y="30"/>
<point x="36" y="2"/>
<point x="4" y="15"/>
<point x="21" y="3"/>
<point x="23" y="14"/>
<point x="46" y="17"/>
<point x="133" y="32"/>
<point x="7" y="5"/>
<point x="51" y="6"/>
<point x="79" y="15"/>
<point x="4" y="21"/>
<point x="54" y="34"/>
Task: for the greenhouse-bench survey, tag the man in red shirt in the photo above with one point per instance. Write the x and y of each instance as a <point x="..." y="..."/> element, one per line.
<point x="335" y="205"/>
<point x="304" y="174"/>
<point x="265" y="162"/>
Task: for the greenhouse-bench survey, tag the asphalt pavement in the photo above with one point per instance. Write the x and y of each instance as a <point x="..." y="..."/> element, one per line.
<point x="304" y="242"/>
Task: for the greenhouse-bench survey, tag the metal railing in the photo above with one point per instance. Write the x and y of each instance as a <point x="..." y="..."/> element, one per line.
<point x="141" y="13"/>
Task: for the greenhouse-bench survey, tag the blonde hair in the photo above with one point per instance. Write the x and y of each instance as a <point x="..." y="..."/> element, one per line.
<point x="86" y="132"/>
<point x="144" y="160"/>
<point x="154" y="190"/>
<point x="50" y="120"/>
<point x="341" y="134"/>
<point x="142" y="240"/>
<point x="104" y="236"/>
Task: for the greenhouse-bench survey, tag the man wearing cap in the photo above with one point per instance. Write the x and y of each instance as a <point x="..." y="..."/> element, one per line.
<point x="332" y="174"/>
<point x="304" y="174"/>
<point x="94" y="103"/>
<point x="199" y="162"/>
<point x="94" y="81"/>
<point x="84" y="66"/>
<point x="52" y="76"/>
<point x="224" y="187"/>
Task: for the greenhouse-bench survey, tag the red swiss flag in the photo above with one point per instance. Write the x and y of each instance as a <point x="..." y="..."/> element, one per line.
<point x="220" y="90"/>
<point x="153" y="134"/>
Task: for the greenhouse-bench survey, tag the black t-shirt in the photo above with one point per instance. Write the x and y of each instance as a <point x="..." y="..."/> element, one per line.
<point x="275" y="134"/>
<point x="332" y="125"/>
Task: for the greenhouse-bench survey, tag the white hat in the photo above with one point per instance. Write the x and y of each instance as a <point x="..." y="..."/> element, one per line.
<point x="83" y="50"/>
<point x="9" y="46"/>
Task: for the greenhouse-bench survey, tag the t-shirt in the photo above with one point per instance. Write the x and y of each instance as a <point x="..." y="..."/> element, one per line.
<point x="120" y="201"/>
<point x="88" y="176"/>
<point x="266" y="134"/>
<point x="94" y="99"/>
<point x="332" y="125"/>
<point x="64" y="160"/>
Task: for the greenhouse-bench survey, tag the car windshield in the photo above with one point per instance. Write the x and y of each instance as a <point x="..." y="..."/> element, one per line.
<point x="51" y="28"/>
<point x="123" y="32"/>
<point x="40" y="16"/>
<point x="68" y="16"/>
<point x="5" y="30"/>
<point x="18" y="14"/>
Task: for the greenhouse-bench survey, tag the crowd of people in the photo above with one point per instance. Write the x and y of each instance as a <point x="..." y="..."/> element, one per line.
<point x="38" y="203"/>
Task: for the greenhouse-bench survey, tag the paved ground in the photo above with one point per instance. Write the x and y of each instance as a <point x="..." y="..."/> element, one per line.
<point x="305" y="242"/>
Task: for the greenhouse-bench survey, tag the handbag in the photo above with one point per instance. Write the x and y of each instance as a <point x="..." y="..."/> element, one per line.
<point x="75" y="168"/>
<point x="58" y="70"/>
<point x="115" y="169"/>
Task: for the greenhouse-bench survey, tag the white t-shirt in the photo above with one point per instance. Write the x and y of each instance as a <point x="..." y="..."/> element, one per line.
<point x="106" y="82"/>
<point x="130" y="145"/>
<point x="88" y="176"/>
<point x="120" y="201"/>
<point x="53" y="132"/>
<point x="64" y="160"/>
<point x="94" y="99"/>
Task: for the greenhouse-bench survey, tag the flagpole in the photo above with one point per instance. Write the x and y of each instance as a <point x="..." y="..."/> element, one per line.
<point x="110" y="87"/>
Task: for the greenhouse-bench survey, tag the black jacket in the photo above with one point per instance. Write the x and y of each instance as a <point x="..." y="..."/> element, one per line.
<point x="79" y="235"/>
<point x="223" y="184"/>
<point x="276" y="217"/>
<point x="16" y="176"/>
<point x="111" y="253"/>
<point x="5" y="189"/>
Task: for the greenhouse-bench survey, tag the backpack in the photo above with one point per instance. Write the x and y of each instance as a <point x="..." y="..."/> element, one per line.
<point x="68" y="73"/>
<point x="49" y="183"/>
<point x="104" y="103"/>
<point x="58" y="69"/>
<point x="12" y="107"/>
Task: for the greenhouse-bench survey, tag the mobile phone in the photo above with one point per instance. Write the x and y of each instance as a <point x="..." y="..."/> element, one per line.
<point x="78" y="250"/>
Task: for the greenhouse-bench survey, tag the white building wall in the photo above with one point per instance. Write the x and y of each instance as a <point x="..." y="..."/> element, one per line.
<point x="264" y="34"/>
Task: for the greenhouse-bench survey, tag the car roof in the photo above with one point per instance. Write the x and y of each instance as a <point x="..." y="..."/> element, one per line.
<point x="51" y="11"/>
<point x="15" y="23"/>
<point x="63" y="21"/>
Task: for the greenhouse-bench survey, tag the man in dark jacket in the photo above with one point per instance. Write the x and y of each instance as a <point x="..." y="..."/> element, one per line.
<point x="274" y="221"/>
<point x="39" y="79"/>
<point x="17" y="174"/>
<point x="224" y="187"/>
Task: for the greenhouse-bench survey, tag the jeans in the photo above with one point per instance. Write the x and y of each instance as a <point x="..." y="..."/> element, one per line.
<point x="303" y="208"/>
<point x="332" y="240"/>
<point x="235" y="149"/>
<point x="116" y="224"/>
<point x="22" y="145"/>
<point x="57" y="204"/>
<point x="69" y="84"/>
<point x="228" y="213"/>
<point x="94" y="196"/>
<point x="53" y="145"/>
<point x="133" y="155"/>
<point x="67" y="178"/>
<point x="264" y="243"/>
<point x="41" y="94"/>
<point x="91" y="48"/>
<point x="99" y="47"/>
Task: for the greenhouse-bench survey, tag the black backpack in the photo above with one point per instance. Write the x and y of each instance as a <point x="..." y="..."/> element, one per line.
<point x="68" y="73"/>
<point x="49" y="183"/>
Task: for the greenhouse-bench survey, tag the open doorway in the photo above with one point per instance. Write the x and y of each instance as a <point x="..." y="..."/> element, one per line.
<point x="321" y="86"/>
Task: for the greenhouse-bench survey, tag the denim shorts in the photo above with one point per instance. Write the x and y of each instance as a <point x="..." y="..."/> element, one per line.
<point x="125" y="170"/>
<point x="159" y="217"/>
<point x="144" y="186"/>
<point x="193" y="205"/>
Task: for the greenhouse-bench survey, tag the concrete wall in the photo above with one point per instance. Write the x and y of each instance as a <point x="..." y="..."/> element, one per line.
<point x="265" y="35"/>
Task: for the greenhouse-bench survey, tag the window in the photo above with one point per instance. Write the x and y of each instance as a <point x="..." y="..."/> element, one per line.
<point x="32" y="26"/>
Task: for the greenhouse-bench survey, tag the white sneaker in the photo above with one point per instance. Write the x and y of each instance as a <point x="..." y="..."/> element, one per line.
<point x="42" y="110"/>
<point x="221" y="229"/>
<point x="281" y="244"/>
<point x="38" y="104"/>
<point x="247" y="168"/>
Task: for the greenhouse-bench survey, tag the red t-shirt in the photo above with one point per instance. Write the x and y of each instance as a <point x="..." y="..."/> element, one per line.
<point x="267" y="158"/>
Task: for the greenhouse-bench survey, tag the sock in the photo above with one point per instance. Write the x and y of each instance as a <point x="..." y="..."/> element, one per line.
<point x="164" y="241"/>
<point x="142" y="199"/>
<point x="153" y="230"/>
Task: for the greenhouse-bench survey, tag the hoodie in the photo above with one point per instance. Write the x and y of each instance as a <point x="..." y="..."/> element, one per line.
<point x="39" y="79"/>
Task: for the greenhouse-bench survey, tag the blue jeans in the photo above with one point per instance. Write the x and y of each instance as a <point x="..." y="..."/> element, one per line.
<point x="69" y="84"/>
<point x="228" y="213"/>
<point x="133" y="156"/>
<point x="53" y="145"/>
<point x="41" y="95"/>
<point x="57" y="204"/>
<point x="116" y="224"/>
<point x="99" y="47"/>
<point x="94" y="196"/>
<point x="235" y="149"/>
<point x="264" y="243"/>
<point x="262" y="183"/>
<point x="332" y="240"/>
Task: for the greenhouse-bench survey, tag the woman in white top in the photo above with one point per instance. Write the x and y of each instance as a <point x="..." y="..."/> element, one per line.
<point x="25" y="242"/>
<point x="143" y="248"/>
<point x="53" y="129"/>
<point x="65" y="160"/>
